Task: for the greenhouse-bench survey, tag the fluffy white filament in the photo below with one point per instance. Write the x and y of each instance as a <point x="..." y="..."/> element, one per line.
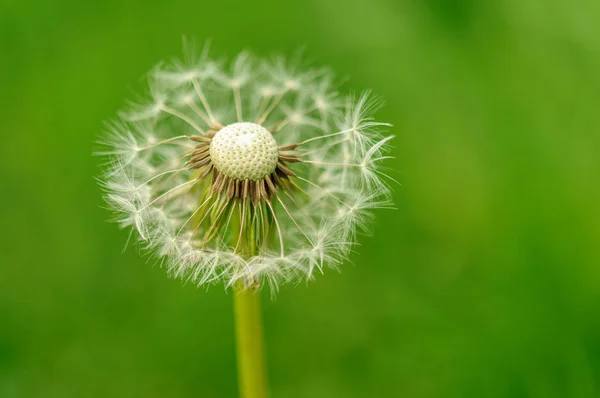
<point x="339" y="180"/>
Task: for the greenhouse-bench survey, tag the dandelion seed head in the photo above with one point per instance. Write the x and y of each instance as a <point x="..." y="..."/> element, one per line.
<point x="254" y="172"/>
<point x="244" y="151"/>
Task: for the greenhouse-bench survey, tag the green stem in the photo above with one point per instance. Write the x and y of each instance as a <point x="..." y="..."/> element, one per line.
<point x="252" y="375"/>
<point x="250" y="347"/>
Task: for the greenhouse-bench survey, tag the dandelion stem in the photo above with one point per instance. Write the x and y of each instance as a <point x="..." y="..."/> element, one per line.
<point x="252" y="376"/>
<point x="250" y="349"/>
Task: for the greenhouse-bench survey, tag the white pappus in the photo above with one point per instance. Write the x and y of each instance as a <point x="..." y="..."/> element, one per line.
<point x="246" y="172"/>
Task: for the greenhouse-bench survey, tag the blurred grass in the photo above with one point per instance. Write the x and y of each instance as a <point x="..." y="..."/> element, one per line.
<point x="484" y="283"/>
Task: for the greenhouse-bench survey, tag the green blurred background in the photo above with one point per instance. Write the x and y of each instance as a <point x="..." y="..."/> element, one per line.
<point x="484" y="283"/>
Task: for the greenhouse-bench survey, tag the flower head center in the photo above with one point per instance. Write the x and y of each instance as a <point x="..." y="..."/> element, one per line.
<point x="244" y="151"/>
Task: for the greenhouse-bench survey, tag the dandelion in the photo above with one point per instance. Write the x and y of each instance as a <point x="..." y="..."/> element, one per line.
<point x="249" y="173"/>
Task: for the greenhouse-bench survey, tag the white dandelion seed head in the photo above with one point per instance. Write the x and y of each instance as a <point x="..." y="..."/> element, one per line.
<point x="256" y="172"/>
<point x="244" y="151"/>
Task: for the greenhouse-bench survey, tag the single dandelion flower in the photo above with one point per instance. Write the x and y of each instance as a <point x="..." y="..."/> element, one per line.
<point x="248" y="172"/>
<point x="257" y="171"/>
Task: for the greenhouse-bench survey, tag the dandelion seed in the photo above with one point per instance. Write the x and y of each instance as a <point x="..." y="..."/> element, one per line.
<point x="253" y="173"/>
